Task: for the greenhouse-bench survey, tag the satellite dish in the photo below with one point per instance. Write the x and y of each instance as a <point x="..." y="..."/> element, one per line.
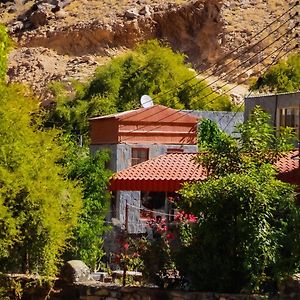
<point x="146" y="101"/>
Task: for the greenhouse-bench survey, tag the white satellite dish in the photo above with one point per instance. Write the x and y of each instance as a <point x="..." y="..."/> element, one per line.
<point x="146" y="101"/>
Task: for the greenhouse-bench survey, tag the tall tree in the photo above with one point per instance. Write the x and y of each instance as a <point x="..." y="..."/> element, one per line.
<point x="39" y="205"/>
<point x="93" y="175"/>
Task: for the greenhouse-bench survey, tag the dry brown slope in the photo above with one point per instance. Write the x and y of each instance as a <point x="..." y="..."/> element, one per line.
<point x="203" y="29"/>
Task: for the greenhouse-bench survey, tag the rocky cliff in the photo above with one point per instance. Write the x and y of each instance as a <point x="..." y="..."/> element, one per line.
<point x="60" y="40"/>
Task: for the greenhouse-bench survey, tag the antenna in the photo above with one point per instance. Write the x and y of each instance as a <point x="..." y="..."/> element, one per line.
<point x="146" y="101"/>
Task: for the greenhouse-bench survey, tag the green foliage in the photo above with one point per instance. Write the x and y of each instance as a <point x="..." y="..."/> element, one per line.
<point x="283" y="77"/>
<point x="91" y="172"/>
<point x="150" y="69"/>
<point x="5" y="44"/>
<point x="258" y="144"/>
<point x="158" y="260"/>
<point x="38" y="204"/>
<point x="247" y="234"/>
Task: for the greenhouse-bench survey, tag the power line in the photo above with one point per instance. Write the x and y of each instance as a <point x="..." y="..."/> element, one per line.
<point x="274" y="61"/>
<point x="207" y="86"/>
<point x="247" y="60"/>
<point x="184" y="114"/>
<point x="237" y="48"/>
<point x="250" y="92"/>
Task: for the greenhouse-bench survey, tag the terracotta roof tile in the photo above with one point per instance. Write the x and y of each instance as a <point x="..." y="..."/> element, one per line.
<point x="163" y="173"/>
<point x="168" y="172"/>
<point x="289" y="162"/>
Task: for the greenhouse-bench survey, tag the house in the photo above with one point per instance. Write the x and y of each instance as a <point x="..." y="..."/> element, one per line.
<point x="283" y="108"/>
<point x="152" y="153"/>
<point x="158" y="180"/>
<point x="137" y="136"/>
<point x="165" y="175"/>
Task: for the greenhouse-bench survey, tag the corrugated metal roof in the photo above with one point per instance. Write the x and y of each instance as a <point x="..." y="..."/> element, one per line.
<point x="271" y="94"/>
<point x="157" y="113"/>
<point x="163" y="173"/>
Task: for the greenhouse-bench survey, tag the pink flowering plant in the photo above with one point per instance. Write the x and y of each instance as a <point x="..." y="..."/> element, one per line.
<point x="128" y="255"/>
<point x="162" y="249"/>
<point x="185" y="224"/>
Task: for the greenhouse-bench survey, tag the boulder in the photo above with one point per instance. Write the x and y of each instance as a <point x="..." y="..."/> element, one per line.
<point x="131" y="14"/>
<point x="146" y="11"/>
<point x="40" y="14"/>
<point x="75" y="271"/>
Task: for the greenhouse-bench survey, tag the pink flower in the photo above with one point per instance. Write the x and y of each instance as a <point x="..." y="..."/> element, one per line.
<point x="170" y="236"/>
<point x="184" y="217"/>
<point x="126" y="246"/>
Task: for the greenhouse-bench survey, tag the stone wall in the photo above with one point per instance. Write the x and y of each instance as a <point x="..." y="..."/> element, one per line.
<point x="289" y="290"/>
<point x="96" y="292"/>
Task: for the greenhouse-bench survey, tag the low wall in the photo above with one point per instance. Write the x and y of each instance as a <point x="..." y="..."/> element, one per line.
<point x="90" y="292"/>
<point x="290" y="290"/>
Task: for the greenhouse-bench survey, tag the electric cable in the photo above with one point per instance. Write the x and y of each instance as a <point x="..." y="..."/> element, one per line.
<point x="278" y="58"/>
<point x="184" y="113"/>
<point x="226" y="74"/>
<point x="250" y="58"/>
<point x="237" y="48"/>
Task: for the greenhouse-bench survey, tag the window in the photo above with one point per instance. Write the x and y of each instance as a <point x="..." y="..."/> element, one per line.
<point x="153" y="200"/>
<point x="174" y="150"/>
<point x="289" y="116"/>
<point x="139" y="155"/>
<point x="152" y="203"/>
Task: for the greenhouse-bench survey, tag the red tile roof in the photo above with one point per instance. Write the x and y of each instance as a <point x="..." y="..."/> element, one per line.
<point x="289" y="162"/>
<point x="163" y="173"/>
<point x="168" y="172"/>
<point x="289" y="168"/>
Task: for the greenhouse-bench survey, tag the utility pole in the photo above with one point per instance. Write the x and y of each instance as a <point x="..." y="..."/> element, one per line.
<point x="125" y="241"/>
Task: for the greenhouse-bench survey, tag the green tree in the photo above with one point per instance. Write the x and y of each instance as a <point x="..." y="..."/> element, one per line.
<point x="283" y="77"/>
<point x="5" y="44"/>
<point x="117" y="86"/>
<point x="91" y="172"/>
<point x="39" y="205"/>
<point x="247" y="234"/>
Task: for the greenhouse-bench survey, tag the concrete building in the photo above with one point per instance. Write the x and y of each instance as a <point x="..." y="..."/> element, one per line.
<point x="136" y="136"/>
<point x="226" y="120"/>
<point x="283" y="108"/>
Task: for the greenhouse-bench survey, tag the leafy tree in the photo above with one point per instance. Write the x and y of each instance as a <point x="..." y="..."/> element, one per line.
<point x="5" y="44"/>
<point x="283" y="77"/>
<point x="39" y="205"/>
<point x="247" y="235"/>
<point x="149" y="69"/>
<point x="91" y="171"/>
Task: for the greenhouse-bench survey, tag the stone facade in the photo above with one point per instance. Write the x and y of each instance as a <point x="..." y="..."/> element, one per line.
<point x="120" y="159"/>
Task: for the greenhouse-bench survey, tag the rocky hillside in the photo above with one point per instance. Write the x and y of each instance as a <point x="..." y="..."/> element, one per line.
<point x="65" y="39"/>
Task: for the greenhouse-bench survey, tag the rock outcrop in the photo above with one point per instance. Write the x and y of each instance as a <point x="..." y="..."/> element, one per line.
<point x="204" y="30"/>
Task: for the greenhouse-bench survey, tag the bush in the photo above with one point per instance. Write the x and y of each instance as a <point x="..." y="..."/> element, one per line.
<point x="118" y="86"/>
<point x="281" y="78"/>
<point x="247" y="235"/>
<point x="39" y="205"/>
